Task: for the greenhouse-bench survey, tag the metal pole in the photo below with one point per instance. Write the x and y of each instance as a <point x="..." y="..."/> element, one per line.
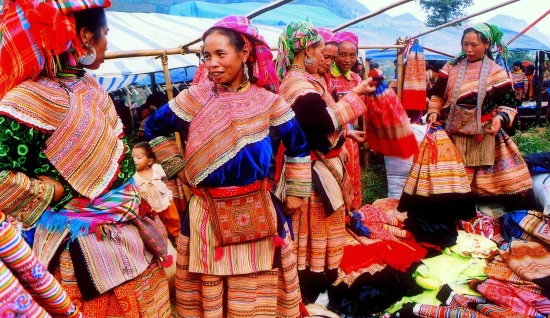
<point x="464" y="18"/>
<point x="369" y="15"/>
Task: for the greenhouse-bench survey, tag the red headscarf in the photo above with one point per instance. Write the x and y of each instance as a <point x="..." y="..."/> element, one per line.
<point x="264" y="68"/>
<point x="33" y="33"/>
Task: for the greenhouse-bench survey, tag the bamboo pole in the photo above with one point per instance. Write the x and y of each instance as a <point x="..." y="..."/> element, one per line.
<point x="438" y="52"/>
<point x="464" y="18"/>
<point x="369" y="15"/>
<point x="529" y="27"/>
<point x="400" y="70"/>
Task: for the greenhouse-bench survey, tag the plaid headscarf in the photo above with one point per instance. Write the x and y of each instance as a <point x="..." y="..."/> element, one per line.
<point x="346" y="36"/>
<point x="492" y="33"/>
<point x="262" y="60"/>
<point x="33" y="32"/>
<point x="327" y="34"/>
<point x="296" y="37"/>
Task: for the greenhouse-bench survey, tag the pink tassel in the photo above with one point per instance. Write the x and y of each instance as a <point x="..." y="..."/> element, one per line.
<point x="168" y="262"/>
<point x="278" y="241"/>
<point x="218" y="253"/>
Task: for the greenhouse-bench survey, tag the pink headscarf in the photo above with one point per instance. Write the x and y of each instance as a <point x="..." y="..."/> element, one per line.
<point x="342" y="36"/>
<point x="327" y="34"/>
<point x="264" y="69"/>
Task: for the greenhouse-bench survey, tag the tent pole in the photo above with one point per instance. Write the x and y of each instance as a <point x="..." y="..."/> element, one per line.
<point x="400" y="70"/>
<point x="129" y="101"/>
<point x="438" y="52"/>
<point x="528" y="27"/>
<point x="540" y="79"/>
<point x="251" y="15"/>
<point x="369" y="15"/>
<point x="464" y="18"/>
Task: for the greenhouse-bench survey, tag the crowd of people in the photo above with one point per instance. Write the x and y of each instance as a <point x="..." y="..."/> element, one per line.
<point x="87" y="220"/>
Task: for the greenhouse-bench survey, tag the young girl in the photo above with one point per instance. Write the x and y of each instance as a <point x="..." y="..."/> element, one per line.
<point x="150" y="178"/>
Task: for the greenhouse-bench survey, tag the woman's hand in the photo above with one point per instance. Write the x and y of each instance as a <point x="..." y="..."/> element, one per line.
<point x="432" y="118"/>
<point x="496" y="125"/>
<point x="292" y="204"/>
<point x="344" y="155"/>
<point x="356" y="135"/>
<point x="59" y="190"/>
<point x="365" y="87"/>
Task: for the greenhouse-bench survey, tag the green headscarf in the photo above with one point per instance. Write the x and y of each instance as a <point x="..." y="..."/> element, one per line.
<point x="296" y="37"/>
<point x="492" y="33"/>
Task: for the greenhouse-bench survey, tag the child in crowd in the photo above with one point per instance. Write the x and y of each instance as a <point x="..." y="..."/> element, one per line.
<point x="150" y="178"/>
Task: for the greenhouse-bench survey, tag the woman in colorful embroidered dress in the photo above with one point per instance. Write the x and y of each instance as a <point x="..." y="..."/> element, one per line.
<point x="235" y="253"/>
<point x="519" y="80"/>
<point x="319" y="230"/>
<point x="344" y="80"/>
<point x="475" y="97"/>
<point x="65" y="167"/>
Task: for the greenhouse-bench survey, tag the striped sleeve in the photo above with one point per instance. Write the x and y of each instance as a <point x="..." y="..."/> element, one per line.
<point x="24" y="198"/>
<point x="346" y="110"/>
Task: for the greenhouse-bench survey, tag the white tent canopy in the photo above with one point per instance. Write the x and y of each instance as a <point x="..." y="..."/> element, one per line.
<point x="147" y="31"/>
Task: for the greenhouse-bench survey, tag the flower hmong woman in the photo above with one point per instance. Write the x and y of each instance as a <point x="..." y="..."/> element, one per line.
<point x="235" y="252"/>
<point x="65" y="167"/>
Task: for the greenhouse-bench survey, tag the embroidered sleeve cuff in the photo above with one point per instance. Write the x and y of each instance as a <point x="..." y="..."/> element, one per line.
<point x="298" y="176"/>
<point x="435" y="105"/>
<point x="508" y="113"/>
<point x="24" y="198"/>
<point x="168" y="155"/>
<point x="349" y="108"/>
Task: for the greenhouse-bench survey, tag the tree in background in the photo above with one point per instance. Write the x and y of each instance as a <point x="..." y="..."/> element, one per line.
<point x="443" y="11"/>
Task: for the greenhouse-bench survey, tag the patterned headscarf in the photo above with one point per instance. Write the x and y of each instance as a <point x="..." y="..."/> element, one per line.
<point x="296" y="37"/>
<point x="492" y="33"/>
<point x="327" y="34"/>
<point x="262" y="60"/>
<point x="33" y="32"/>
<point x="342" y="36"/>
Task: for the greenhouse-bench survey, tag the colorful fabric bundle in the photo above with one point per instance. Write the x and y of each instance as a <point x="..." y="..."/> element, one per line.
<point x="26" y="48"/>
<point x="387" y="126"/>
<point x="262" y="58"/>
<point x="26" y="287"/>
<point x="414" y="87"/>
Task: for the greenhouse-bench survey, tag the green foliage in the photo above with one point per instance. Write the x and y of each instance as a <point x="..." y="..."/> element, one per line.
<point x="374" y="183"/>
<point x="536" y="139"/>
<point x="443" y="11"/>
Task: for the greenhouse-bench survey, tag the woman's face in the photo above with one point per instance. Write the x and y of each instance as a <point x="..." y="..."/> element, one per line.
<point x="100" y="46"/>
<point x="223" y="62"/>
<point x="316" y="53"/>
<point x="473" y="46"/>
<point x="347" y="56"/>
<point x="329" y="55"/>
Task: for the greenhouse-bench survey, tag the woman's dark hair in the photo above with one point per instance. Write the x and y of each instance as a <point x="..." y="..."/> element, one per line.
<point x="147" y="148"/>
<point x="481" y="37"/>
<point x="236" y="40"/>
<point x="518" y="63"/>
<point x="93" y="19"/>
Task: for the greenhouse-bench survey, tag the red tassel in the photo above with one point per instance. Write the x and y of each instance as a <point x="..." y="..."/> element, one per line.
<point x="480" y="138"/>
<point x="347" y="219"/>
<point x="168" y="262"/>
<point x="218" y="253"/>
<point x="303" y="310"/>
<point x="278" y="241"/>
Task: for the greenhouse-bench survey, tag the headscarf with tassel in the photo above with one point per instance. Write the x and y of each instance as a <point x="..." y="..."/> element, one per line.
<point x="493" y="33"/>
<point x="34" y="33"/>
<point x="262" y="59"/>
<point x="296" y="37"/>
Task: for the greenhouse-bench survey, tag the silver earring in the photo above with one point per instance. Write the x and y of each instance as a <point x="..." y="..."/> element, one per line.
<point x="90" y="57"/>
<point x="309" y="61"/>
<point x="245" y="67"/>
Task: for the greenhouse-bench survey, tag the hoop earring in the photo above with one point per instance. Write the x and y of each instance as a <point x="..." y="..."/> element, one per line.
<point x="246" y="75"/>
<point x="90" y="57"/>
<point x="309" y="61"/>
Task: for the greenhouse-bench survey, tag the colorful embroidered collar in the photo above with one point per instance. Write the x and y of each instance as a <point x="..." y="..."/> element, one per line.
<point x="335" y="72"/>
